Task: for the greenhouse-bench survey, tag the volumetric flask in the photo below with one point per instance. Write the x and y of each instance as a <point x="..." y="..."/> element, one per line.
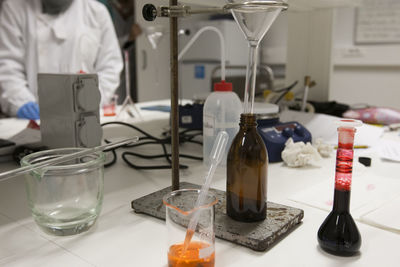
<point x="339" y="234"/>
<point x="65" y="198"/>
<point x="179" y="210"/>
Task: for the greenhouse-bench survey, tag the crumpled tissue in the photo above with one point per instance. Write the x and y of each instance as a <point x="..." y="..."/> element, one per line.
<point x="299" y="154"/>
<point x="325" y="150"/>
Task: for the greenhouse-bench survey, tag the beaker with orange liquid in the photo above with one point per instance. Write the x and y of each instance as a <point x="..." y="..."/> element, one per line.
<point x="109" y="109"/>
<point x="179" y="210"/>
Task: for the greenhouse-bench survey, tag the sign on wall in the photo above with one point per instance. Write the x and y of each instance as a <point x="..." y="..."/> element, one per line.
<point x="378" y="22"/>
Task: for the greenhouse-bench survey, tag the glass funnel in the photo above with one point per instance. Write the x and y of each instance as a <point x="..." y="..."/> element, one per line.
<point x="254" y="19"/>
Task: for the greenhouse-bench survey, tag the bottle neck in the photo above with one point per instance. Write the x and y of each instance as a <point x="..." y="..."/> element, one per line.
<point x="341" y="201"/>
<point x="248" y="120"/>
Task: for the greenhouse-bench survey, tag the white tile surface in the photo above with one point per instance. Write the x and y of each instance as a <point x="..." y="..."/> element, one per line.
<point x="120" y="238"/>
<point x="13" y="200"/>
<point x="15" y="239"/>
<point x="47" y="255"/>
<point x="20" y="246"/>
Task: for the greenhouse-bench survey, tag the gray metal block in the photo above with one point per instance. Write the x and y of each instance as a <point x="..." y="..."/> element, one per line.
<point x="69" y="110"/>
<point x="258" y="236"/>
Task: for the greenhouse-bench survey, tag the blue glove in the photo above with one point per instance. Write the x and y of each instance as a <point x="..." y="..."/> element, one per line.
<point x="29" y="111"/>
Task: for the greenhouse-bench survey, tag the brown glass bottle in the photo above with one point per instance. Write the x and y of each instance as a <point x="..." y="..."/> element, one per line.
<point x="246" y="187"/>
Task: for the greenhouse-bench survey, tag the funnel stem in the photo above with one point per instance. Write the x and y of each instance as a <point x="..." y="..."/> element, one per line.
<point x="251" y="78"/>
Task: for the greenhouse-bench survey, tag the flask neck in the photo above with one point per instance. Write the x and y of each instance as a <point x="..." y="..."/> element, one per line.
<point x="248" y="120"/>
<point x="341" y="201"/>
<point x="346" y="137"/>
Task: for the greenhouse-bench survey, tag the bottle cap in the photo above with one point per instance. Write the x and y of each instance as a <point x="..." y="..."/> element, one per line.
<point x="348" y="123"/>
<point x="223" y="87"/>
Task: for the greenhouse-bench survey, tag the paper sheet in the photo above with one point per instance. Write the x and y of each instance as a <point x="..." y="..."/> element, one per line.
<point x="389" y="149"/>
<point x="369" y="193"/>
<point x="26" y="136"/>
<point x="387" y="216"/>
<point x="11" y="126"/>
<point x="323" y="126"/>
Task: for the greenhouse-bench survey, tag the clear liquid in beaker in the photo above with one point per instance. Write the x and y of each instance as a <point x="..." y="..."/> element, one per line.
<point x="66" y="220"/>
<point x="65" y="198"/>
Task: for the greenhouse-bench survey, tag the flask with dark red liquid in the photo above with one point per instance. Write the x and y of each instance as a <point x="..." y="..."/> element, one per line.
<point x="339" y="234"/>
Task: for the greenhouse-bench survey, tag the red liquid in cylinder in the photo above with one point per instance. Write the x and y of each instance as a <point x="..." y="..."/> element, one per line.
<point x="344" y="168"/>
<point x="193" y="256"/>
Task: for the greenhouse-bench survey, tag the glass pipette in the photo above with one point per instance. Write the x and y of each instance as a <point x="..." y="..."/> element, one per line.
<point x="9" y="174"/>
<point x="215" y="158"/>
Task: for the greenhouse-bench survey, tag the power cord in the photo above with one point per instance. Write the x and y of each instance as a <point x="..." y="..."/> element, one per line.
<point x="285" y="91"/>
<point x="187" y="135"/>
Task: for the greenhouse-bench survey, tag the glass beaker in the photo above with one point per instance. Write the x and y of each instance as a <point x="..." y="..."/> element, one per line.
<point x="109" y="108"/>
<point x="179" y="210"/>
<point x="65" y="199"/>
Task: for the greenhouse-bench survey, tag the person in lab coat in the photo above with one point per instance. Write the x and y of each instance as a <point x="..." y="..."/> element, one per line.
<point x="53" y="36"/>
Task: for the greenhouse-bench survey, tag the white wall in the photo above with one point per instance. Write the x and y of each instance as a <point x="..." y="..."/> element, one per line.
<point x="363" y="73"/>
<point x="309" y="50"/>
<point x="273" y="46"/>
<point x="321" y="44"/>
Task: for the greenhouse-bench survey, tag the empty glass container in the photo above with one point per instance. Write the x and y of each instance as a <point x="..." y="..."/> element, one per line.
<point x="65" y="199"/>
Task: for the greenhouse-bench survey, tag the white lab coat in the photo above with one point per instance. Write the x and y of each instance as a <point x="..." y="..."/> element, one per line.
<point x="80" y="39"/>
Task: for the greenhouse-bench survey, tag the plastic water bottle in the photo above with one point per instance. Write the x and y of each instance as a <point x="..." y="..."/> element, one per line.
<point x="221" y="111"/>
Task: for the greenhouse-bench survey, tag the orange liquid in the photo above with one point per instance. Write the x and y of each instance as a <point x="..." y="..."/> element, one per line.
<point x="109" y="110"/>
<point x="191" y="258"/>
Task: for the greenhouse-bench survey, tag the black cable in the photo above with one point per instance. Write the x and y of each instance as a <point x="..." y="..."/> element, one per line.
<point x="184" y="136"/>
<point x="196" y="142"/>
<point x="114" y="155"/>
<point x="153" y="167"/>
<point x="131" y="126"/>
<point x="162" y="155"/>
<point x="286" y="90"/>
<point x="113" y="161"/>
<point x="165" y="154"/>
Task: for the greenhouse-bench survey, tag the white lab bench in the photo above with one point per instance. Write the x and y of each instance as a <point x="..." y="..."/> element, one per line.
<point x="123" y="238"/>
